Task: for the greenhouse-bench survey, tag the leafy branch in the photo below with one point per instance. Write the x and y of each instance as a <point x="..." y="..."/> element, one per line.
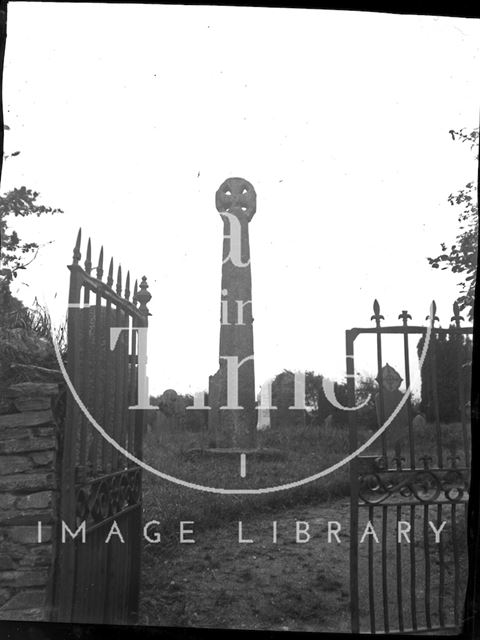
<point x="461" y="257"/>
<point x="20" y="202"/>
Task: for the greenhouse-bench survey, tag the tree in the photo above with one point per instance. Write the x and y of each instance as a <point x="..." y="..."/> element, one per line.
<point x="17" y="254"/>
<point x="318" y="403"/>
<point x="462" y="255"/>
<point x="318" y="407"/>
<point x="446" y="363"/>
<point x="367" y="415"/>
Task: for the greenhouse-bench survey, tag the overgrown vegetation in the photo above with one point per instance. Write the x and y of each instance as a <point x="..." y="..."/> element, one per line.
<point x="450" y="358"/>
<point x="461" y="256"/>
<point x="26" y="347"/>
<point x="25" y="333"/>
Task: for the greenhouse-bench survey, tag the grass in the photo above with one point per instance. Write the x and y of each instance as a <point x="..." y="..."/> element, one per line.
<point x="307" y="451"/>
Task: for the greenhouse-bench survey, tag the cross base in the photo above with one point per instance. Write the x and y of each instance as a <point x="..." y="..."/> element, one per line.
<point x="259" y="454"/>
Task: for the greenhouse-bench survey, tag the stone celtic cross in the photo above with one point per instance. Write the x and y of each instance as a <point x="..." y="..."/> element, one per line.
<point x="236" y="202"/>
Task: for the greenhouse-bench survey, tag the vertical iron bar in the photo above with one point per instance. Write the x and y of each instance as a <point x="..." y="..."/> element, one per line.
<point x="99" y="375"/>
<point x="455" y="565"/>
<point x="134" y="594"/>
<point x="461" y="396"/>
<point x="466" y="550"/>
<point x="377" y="317"/>
<point x="130" y="350"/>
<point x="371" y="590"/>
<point x="79" y="596"/>
<point x="139" y="428"/>
<point x="435" y="400"/>
<point x="132" y="389"/>
<point x="87" y="373"/>
<point x="124" y="346"/>
<point x="381" y="397"/>
<point x="108" y="410"/>
<point x="386" y="621"/>
<point x="83" y="383"/>
<point x="111" y="568"/>
<point x="399" y="573"/>
<point x="117" y="387"/>
<point x="103" y="584"/>
<point x="405" y="316"/>
<point x="441" y="569"/>
<point x="427" y="567"/>
<point x="413" y="570"/>
<point x="139" y="422"/>
<point x="353" y="441"/>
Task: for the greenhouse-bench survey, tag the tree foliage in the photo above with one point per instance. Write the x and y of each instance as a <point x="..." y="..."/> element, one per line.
<point x="461" y="257"/>
<point x="173" y="407"/>
<point x="367" y="416"/>
<point x="17" y="253"/>
<point x="446" y="366"/>
<point x="318" y="407"/>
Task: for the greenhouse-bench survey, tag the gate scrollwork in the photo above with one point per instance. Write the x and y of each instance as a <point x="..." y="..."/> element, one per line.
<point x="424" y="485"/>
<point x="108" y="496"/>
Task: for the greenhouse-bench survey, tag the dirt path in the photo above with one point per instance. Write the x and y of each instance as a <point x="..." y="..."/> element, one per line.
<point x="219" y="582"/>
<point x="286" y="585"/>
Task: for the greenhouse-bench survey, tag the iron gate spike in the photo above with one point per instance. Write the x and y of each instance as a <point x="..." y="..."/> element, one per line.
<point x="76" y="249"/>
<point x="88" y="259"/>
<point x="127" y="286"/>
<point x="119" y="280"/>
<point x="100" y="265"/>
<point x="110" y="273"/>
<point x="376" y="310"/>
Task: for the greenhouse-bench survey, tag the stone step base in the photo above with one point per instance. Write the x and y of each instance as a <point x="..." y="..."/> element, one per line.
<point x="259" y="454"/>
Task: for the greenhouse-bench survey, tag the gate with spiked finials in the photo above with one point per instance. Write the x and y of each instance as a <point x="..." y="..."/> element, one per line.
<point x="95" y="581"/>
<point x="403" y="577"/>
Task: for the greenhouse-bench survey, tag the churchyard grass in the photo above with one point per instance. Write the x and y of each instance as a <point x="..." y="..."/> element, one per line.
<point x="307" y="451"/>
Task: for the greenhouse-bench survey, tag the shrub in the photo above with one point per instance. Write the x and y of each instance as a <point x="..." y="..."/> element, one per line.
<point x="25" y="339"/>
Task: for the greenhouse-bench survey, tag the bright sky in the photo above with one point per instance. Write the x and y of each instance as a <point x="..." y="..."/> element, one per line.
<point x="129" y="117"/>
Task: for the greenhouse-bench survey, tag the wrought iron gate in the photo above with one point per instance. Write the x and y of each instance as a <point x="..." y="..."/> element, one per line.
<point x="411" y="479"/>
<point x="96" y="581"/>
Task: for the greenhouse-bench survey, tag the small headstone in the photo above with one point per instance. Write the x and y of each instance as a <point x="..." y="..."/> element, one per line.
<point x="419" y="422"/>
<point x="328" y="422"/>
<point x="398" y="428"/>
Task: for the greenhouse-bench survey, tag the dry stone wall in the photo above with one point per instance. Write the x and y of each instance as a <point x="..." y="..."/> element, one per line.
<point x="29" y="435"/>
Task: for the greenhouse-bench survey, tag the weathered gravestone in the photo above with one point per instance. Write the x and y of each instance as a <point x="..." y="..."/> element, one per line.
<point x="283" y="399"/>
<point x="419" y="422"/>
<point x="390" y="380"/>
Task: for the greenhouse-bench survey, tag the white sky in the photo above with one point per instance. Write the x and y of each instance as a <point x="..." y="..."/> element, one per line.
<point x="130" y="117"/>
